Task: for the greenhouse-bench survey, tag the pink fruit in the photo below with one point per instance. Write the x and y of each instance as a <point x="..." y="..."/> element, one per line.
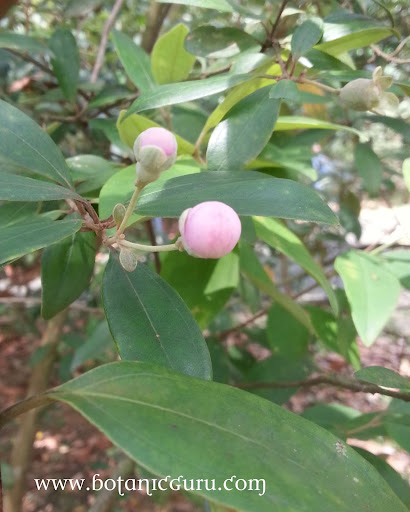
<point x="210" y="229"/>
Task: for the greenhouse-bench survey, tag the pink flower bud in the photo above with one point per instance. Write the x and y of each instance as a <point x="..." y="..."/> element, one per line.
<point x="155" y="150"/>
<point x="210" y="229"/>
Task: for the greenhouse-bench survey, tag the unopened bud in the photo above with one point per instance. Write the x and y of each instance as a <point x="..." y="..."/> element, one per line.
<point x="210" y="229"/>
<point x="118" y="213"/>
<point x="128" y="259"/>
<point x="155" y="150"/>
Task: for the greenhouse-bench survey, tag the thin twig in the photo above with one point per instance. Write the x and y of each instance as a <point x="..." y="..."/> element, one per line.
<point x="104" y="38"/>
<point x="389" y="57"/>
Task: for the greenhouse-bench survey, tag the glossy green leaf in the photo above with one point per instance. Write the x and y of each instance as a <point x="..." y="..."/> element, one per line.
<point x="285" y="123"/>
<point x="306" y="36"/>
<point x="171" y="94"/>
<point x="278" y="236"/>
<point x="170" y="62"/>
<point x="65" y="61"/>
<point x="135" y="60"/>
<point x="305" y="468"/>
<point x="14" y="187"/>
<point x="12" y="212"/>
<point x="119" y="188"/>
<point x="248" y="193"/>
<point x="286" y="90"/>
<point x="95" y="345"/>
<point x="242" y="135"/>
<point x="205" y="285"/>
<point x="345" y="31"/>
<point x="132" y="126"/>
<point x="25" y="144"/>
<point x="209" y="39"/>
<point x="220" y="5"/>
<point x="372" y="292"/>
<point x="287" y="337"/>
<point x="29" y="235"/>
<point x="149" y="321"/>
<point x="16" y="41"/>
<point x="369" y="168"/>
<point x="383" y="377"/>
<point x="66" y="270"/>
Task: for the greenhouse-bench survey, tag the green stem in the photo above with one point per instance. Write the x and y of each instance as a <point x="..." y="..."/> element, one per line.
<point x="148" y="248"/>
<point x="129" y="210"/>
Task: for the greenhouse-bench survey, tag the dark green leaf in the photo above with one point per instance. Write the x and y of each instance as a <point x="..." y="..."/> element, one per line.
<point x="29" y="235"/>
<point x="150" y="322"/>
<point x="90" y="172"/>
<point x="333" y="417"/>
<point x="305" y="468"/>
<point x="286" y="90"/>
<point x="66" y="61"/>
<point x="306" y="36"/>
<point x="135" y="60"/>
<point x="98" y="343"/>
<point x="369" y="168"/>
<point x="242" y="135"/>
<point x="171" y="94"/>
<point x="383" y="377"/>
<point x="66" y="270"/>
<point x="14" y="187"/>
<point x="13" y="212"/>
<point x="209" y="39"/>
<point x="24" y="143"/>
<point x="287" y="337"/>
<point x="398" y="263"/>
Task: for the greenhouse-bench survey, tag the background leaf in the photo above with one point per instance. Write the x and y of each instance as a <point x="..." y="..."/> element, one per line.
<point x="383" y="377"/>
<point x="369" y="168"/>
<point x="306" y="36"/>
<point x="65" y="61"/>
<point x="150" y="322"/>
<point x="209" y="39"/>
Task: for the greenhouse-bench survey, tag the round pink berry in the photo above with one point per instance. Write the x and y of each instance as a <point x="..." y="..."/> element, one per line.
<point x="160" y="138"/>
<point x="210" y="229"/>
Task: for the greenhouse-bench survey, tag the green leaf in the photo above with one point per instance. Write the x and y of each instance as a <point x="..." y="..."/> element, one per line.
<point x="398" y="263"/>
<point x="209" y="39"/>
<point x="66" y="270"/>
<point x="369" y="168"/>
<point x="406" y="172"/>
<point x="306" y="36"/>
<point x="180" y="92"/>
<point x="25" y="144"/>
<point x="204" y="285"/>
<point x="305" y="468"/>
<point x="14" y="187"/>
<point x="132" y="126"/>
<point x="344" y="32"/>
<point x="220" y="5"/>
<point x="287" y="337"/>
<point x="90" y="172"/>
<point x="333" y="417"/>
<point x="95" y="345"/>
<point x="22" y="42"/>
<point x="28" y="236"/>
<point x="65" y="62"/>
<point x="170" y="62"/>
<point x="285" y="123"/>
<point x="286" y="90"/>
<point x="383" y="377"/>
<point x="270" y="197"/>
<point x="372" y="292"/>
<point x="107" y="96"/>
<point x="135" y="60"/>
<point x="13" y="212"/>
<point x="119" y="188"/>
<point x="397" y="423"/>
<point x="278" y="236"/>
<point x="242" y="135"/>
<point x="149" y="321"/>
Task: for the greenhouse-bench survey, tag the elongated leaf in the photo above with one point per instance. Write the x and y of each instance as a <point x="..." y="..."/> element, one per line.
<point x="372" y="292"/>
<point x="209" y="39"/>
<point x="25" y="144"/>
<point x="278" y="236"/>
<point x="285" y="123"/>
<point x="66" y="270"/>
<point x="240" y="137"/>
<point x="28" y="236"/>
<point x="306" y="36"/>
<point x="305" y="468"/>
<point x="14" y="187"/>
<point x="135" y="60"/>
<point x="171" y="94"/>
<point x="150" y="322"/>
<point x="285" y="89"/>
<point x="130" y="128"/>
<point x="66" y="61"/>
<point x="204" y="285"/>
<point x="15" y="211"/>
<point x="248" y="193"/>
<point x="383" y="377"/>
<point x="220" y="5"/>
<point x="344" y="32"/>
<point x="369" y="167"/>
<point x="22" y="42"/>
<point x="170" y="62"/>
